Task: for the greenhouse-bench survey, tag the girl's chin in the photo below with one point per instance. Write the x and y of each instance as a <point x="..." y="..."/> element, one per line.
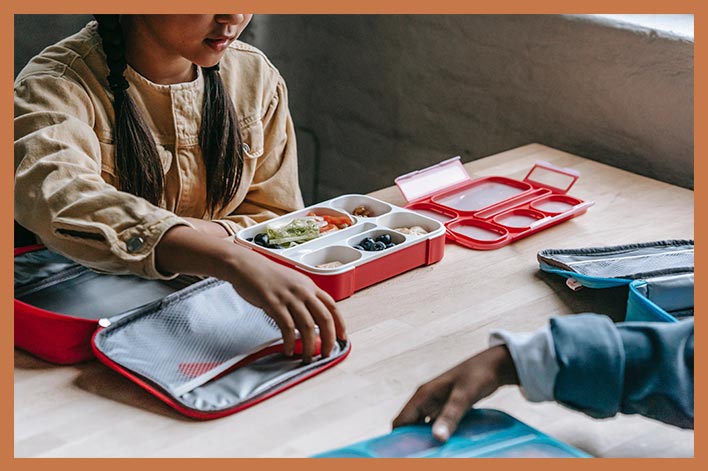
<point x="206" y="61"/>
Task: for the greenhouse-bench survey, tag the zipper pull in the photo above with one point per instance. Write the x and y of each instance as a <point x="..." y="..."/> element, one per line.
<point x="104" y="322"/>
<point x="573" y="284"/>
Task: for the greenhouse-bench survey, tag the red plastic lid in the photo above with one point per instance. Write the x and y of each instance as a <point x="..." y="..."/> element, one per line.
<point x="423" y="183"/>
<point x="546" y="175"/>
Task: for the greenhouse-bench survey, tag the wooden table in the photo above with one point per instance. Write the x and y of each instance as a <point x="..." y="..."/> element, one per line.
<point x="404" y="331"/>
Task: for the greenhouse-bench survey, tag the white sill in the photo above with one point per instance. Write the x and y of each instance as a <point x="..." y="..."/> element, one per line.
<point x="672" y="26"/>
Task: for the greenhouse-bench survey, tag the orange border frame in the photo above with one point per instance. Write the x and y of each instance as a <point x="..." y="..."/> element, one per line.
<point x="11" y="7"/>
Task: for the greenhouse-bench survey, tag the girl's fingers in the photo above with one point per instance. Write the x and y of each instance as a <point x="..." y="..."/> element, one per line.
<point x="331" y="305"/>
<point x="287" y="328"/>
<point x="324" y="320"/>
<point x="306" y="326"/>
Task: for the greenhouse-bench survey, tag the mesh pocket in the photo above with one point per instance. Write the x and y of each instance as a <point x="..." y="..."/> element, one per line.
<point x="633" y="266"/>
<point x="190" y="337"/>
<point x="628" y="261"/>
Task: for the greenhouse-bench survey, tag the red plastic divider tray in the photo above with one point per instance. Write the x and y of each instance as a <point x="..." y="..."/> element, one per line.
<point x="490" y="212"/>
<point x="356" y="268"/>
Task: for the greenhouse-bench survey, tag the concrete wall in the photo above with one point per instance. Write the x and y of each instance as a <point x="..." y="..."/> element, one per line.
<point x="383" y="95"/>
<point x="389" y="94"/>
<point x="35" y="32"/>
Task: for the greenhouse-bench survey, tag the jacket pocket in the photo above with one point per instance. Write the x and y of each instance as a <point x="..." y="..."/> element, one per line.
<point x="252" y="139"/>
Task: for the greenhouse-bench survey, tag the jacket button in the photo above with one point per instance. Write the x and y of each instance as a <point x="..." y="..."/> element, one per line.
<point x="135" y="243"/>
<point x="246" y="147"/>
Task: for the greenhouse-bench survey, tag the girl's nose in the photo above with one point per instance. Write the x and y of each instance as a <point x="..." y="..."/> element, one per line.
<point x="230" y="19"/>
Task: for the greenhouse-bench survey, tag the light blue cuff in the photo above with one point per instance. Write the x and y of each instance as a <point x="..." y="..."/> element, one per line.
<point x="534" y="357"/>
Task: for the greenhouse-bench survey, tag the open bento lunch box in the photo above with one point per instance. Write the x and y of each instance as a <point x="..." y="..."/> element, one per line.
<point x="482" y="433"/>
<point x="491" y="212"/>
<point x="373" y="241"/>
<point x="193" y="343"/>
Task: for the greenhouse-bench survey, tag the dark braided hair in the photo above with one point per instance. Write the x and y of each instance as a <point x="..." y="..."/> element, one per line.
<point x="220" y="140"/>
<point x="137" y="159"/>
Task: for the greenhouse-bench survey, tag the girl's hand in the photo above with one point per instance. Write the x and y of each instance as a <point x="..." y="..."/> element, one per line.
<point x="292" y="299"/>
<point x="289" y="297"/>
<point x="448" y="397"/>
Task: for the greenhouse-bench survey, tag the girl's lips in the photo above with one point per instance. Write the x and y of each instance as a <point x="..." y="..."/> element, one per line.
<point x="218" y="44"/>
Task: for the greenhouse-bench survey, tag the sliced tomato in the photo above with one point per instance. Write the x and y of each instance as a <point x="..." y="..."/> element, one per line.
<point x="338" y="220"/>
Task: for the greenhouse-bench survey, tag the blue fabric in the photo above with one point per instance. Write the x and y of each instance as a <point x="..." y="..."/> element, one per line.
<point x="633" y="367"/>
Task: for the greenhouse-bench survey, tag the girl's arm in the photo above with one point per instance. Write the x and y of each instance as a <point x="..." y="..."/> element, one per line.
<point x="208" y="227"/>
<point x="290" y="298"/>
<point x="60" y="194"/>
<point x="61" y="197"/>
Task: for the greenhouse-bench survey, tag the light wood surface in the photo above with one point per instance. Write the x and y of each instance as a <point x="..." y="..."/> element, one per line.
<point x="404" y="331"/>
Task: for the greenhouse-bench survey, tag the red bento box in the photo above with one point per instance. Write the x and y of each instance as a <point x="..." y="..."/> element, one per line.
<point x="359" y="268"/>
<point x="490" y="212"/>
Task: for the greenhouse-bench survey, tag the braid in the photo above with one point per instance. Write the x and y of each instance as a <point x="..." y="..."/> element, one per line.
<point x="220" y="141"/>
<point x="137" y="159"/>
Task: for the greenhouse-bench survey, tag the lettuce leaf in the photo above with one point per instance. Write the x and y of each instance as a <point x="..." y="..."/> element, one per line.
<point x="298" y="230"/>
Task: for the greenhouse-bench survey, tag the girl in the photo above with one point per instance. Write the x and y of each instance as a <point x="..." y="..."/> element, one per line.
<point x="144" y="142"/>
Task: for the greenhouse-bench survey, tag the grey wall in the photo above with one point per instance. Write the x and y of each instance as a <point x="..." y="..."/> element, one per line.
<point x="389" y="94"/>
<point x="35" y="32"/>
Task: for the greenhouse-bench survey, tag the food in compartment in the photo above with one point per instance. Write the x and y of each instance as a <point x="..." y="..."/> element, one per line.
<point x="334" y="264"/>
<point x="362" y="211"/>
<point x="331" y="223"/>
<point x="413" y="230"/>
<point x="263" y="240"/>
<point x="370" y="244"/>
<point x="282" y="235"/>
<point x="295" y="231"/>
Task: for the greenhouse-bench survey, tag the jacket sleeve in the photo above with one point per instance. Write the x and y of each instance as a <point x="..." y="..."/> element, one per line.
<point x="59" y="192"/>
<point x="275" y="189"/>
<point x="633" y="368"/>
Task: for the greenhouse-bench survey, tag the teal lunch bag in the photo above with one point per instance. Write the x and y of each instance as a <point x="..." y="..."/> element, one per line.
<point x="659" y="275"/>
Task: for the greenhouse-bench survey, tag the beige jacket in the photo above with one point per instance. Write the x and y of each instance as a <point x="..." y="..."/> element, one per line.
<point x="65" y="179"/>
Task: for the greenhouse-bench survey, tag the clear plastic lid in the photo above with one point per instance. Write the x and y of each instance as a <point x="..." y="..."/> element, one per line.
<point x="428" y="181"/>
<point x="547" y="175"/>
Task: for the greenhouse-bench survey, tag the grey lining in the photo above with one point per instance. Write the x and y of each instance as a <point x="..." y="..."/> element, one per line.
<point x="673" y="293"/>
<point x="51" y="282"/>
<point x="633" y="261"/>
<point x="181" y="344"/>
<point x="254" y="380"/>
<point x="33" y="267"/>
<point x="179" y="335"/>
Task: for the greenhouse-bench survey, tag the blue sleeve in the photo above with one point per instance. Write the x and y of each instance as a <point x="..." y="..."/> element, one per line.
<point x="635" y="367"/>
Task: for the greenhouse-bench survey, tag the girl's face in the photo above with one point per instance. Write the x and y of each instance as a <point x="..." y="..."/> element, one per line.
<point x="200" y="39"/>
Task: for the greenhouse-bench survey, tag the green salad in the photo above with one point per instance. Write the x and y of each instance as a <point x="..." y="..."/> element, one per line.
<point x="296" y="231"/>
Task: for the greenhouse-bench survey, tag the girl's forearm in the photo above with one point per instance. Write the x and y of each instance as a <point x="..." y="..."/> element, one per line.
<point x="208" y="227"/>
<point x="194" y="252"/>
<point x="292" y="299"/>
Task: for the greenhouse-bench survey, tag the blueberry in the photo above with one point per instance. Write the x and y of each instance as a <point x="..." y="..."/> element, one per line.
<point x="250" y="239"/>
<point x="274" y="246"/>
<point x="262" y="239"/>
<point x="367" y="243"/>
<point x="385" y="238"/>
<point x="379" y="246"/>
<point x="358" y="247"/>
<point x="391" y="245"/>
